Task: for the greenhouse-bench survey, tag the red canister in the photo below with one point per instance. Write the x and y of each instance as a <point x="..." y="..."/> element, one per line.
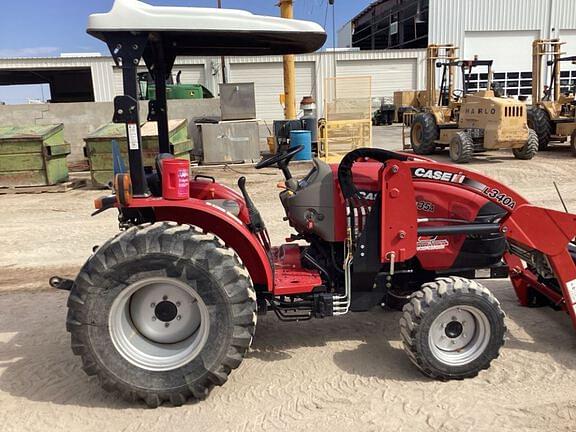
<point x="175" y="179"/>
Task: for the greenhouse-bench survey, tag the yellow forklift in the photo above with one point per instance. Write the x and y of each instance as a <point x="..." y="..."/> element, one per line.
<point x="467" y="121"/>
<point x="552" y="114"/>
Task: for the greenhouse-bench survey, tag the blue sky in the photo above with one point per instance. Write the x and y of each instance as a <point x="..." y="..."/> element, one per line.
<point x="39" y="28"/>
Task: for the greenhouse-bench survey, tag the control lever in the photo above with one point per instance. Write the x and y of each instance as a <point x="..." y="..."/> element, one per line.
<point x="256" y="221"/>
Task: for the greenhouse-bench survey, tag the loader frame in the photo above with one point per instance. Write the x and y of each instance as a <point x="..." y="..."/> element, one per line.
<point x="530" y="231"/>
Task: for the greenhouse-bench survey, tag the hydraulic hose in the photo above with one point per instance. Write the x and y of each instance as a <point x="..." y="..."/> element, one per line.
<point x="345" y="179"/>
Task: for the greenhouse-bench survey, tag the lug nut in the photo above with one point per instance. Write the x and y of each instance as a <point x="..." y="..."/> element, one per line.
<point x="152" y="305"/>
<point x="153" y="318"/>
<point x="178" y="304"/>
<point x="166" y="324"/>
<point x="165" y="298"/>
<point x="178" y="317"/>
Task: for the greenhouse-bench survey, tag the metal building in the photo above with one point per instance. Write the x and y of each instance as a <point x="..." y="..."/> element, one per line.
<point x="390" y="70"/>
<point x="501" y="30"/>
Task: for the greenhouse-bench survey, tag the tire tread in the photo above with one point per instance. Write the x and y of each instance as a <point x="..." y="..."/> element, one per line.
<point x="188" y="242"/>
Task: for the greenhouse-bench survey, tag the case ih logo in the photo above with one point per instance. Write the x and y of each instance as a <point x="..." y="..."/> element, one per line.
<point x="368" y="196"/>
<point x="438" y="175"/>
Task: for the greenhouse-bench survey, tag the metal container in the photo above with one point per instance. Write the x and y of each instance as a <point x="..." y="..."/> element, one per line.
<point x="237" y="101"/>
<point x="33" y="155"/>
<point x="230" y="142"/>
<point x="282" y="129"/>
<point x="98" y="147"/>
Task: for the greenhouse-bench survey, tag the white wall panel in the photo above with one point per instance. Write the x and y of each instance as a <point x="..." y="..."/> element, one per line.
<point x="495" y="45"/>
<point x="387" y="76"/>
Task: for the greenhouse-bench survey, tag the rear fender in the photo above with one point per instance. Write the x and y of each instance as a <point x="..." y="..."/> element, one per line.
<point x="214" y="220"/>
<point x="202" y="188"/>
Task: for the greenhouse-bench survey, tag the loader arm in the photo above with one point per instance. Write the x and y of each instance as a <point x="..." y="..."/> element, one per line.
<point x="538" y="239"/>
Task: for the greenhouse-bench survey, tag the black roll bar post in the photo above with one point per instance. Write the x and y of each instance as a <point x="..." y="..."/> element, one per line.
<point x="160" y="61"/>
<point x="127" y="50"/>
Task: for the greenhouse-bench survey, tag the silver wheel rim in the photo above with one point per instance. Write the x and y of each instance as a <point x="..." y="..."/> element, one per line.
<point x="459" y="335"/>
<point x="159" y="324"/>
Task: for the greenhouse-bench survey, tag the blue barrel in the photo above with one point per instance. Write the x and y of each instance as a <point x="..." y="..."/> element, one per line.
<point x="302" y="137"/>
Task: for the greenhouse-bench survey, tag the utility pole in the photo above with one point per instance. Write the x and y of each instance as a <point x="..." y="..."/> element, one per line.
<point x="222" y="58"/>
<point x="287" y="11"/>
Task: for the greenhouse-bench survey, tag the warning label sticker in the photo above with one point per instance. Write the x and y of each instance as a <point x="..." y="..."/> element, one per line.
<point x="431" y="243"/>
<point x="133" y="136"/>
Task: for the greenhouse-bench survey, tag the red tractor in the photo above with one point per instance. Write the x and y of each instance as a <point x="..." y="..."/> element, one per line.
<point x="167" y="309"/>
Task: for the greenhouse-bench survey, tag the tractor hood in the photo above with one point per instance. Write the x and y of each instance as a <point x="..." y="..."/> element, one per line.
<point x="206" y="31"/>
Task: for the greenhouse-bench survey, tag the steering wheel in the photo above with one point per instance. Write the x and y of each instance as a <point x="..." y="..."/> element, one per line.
<point x="280" y="159"/>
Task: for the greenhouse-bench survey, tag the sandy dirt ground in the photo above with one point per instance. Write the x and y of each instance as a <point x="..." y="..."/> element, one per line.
<point x="347" y="373"/>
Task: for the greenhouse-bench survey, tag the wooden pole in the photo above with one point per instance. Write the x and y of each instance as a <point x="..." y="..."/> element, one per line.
<point x="287" y="11"/>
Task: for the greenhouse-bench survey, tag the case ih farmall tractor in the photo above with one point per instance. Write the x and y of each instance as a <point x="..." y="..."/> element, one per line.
<point x="553" y="113"/>
<point x="467" y="121"/>
<point x="166" y="309"/>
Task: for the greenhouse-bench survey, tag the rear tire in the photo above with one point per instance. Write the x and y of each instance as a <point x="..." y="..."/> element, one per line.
<point x="162" y="313"/>
<point x="424" y="133"/>
<point x="452" y="328"/>
<point x="530" y="149"/>
<point x="461" y="147"/>
<point x="539" y="122"/>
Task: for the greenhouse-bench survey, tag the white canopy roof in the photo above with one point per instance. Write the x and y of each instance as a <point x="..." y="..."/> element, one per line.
<point x="136" y="16"/>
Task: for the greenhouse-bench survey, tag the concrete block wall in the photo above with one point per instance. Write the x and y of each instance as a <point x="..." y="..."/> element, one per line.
<point x="81" y="119"/>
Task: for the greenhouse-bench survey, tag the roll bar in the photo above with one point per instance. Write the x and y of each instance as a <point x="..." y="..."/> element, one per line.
<point x="158" y="41"/>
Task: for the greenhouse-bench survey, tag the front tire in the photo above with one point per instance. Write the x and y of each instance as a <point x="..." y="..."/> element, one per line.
<point x="530" y="149"/>
<point x="423" y="134"/>
<point x="539" y="121"/>
<point x="461" y="147"/>
<point x="452" y="328"/>
<point x="162" y="313"/>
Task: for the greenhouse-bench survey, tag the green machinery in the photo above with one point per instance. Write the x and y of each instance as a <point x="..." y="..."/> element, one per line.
<point x="173" y="90"/>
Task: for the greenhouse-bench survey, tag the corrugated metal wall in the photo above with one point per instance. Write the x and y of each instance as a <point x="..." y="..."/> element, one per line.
<point x="107" y="79"/>
<point x="450" y="19"/>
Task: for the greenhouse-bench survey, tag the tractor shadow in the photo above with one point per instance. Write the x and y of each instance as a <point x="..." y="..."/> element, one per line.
<point x="491" y="157"/>
<point x="536" y="330"/>
<point x="366" y="344"/>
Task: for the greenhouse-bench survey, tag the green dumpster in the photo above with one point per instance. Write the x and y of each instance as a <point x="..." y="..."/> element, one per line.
<point x="98" y="147"/>
<point x="33" y="155"/>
